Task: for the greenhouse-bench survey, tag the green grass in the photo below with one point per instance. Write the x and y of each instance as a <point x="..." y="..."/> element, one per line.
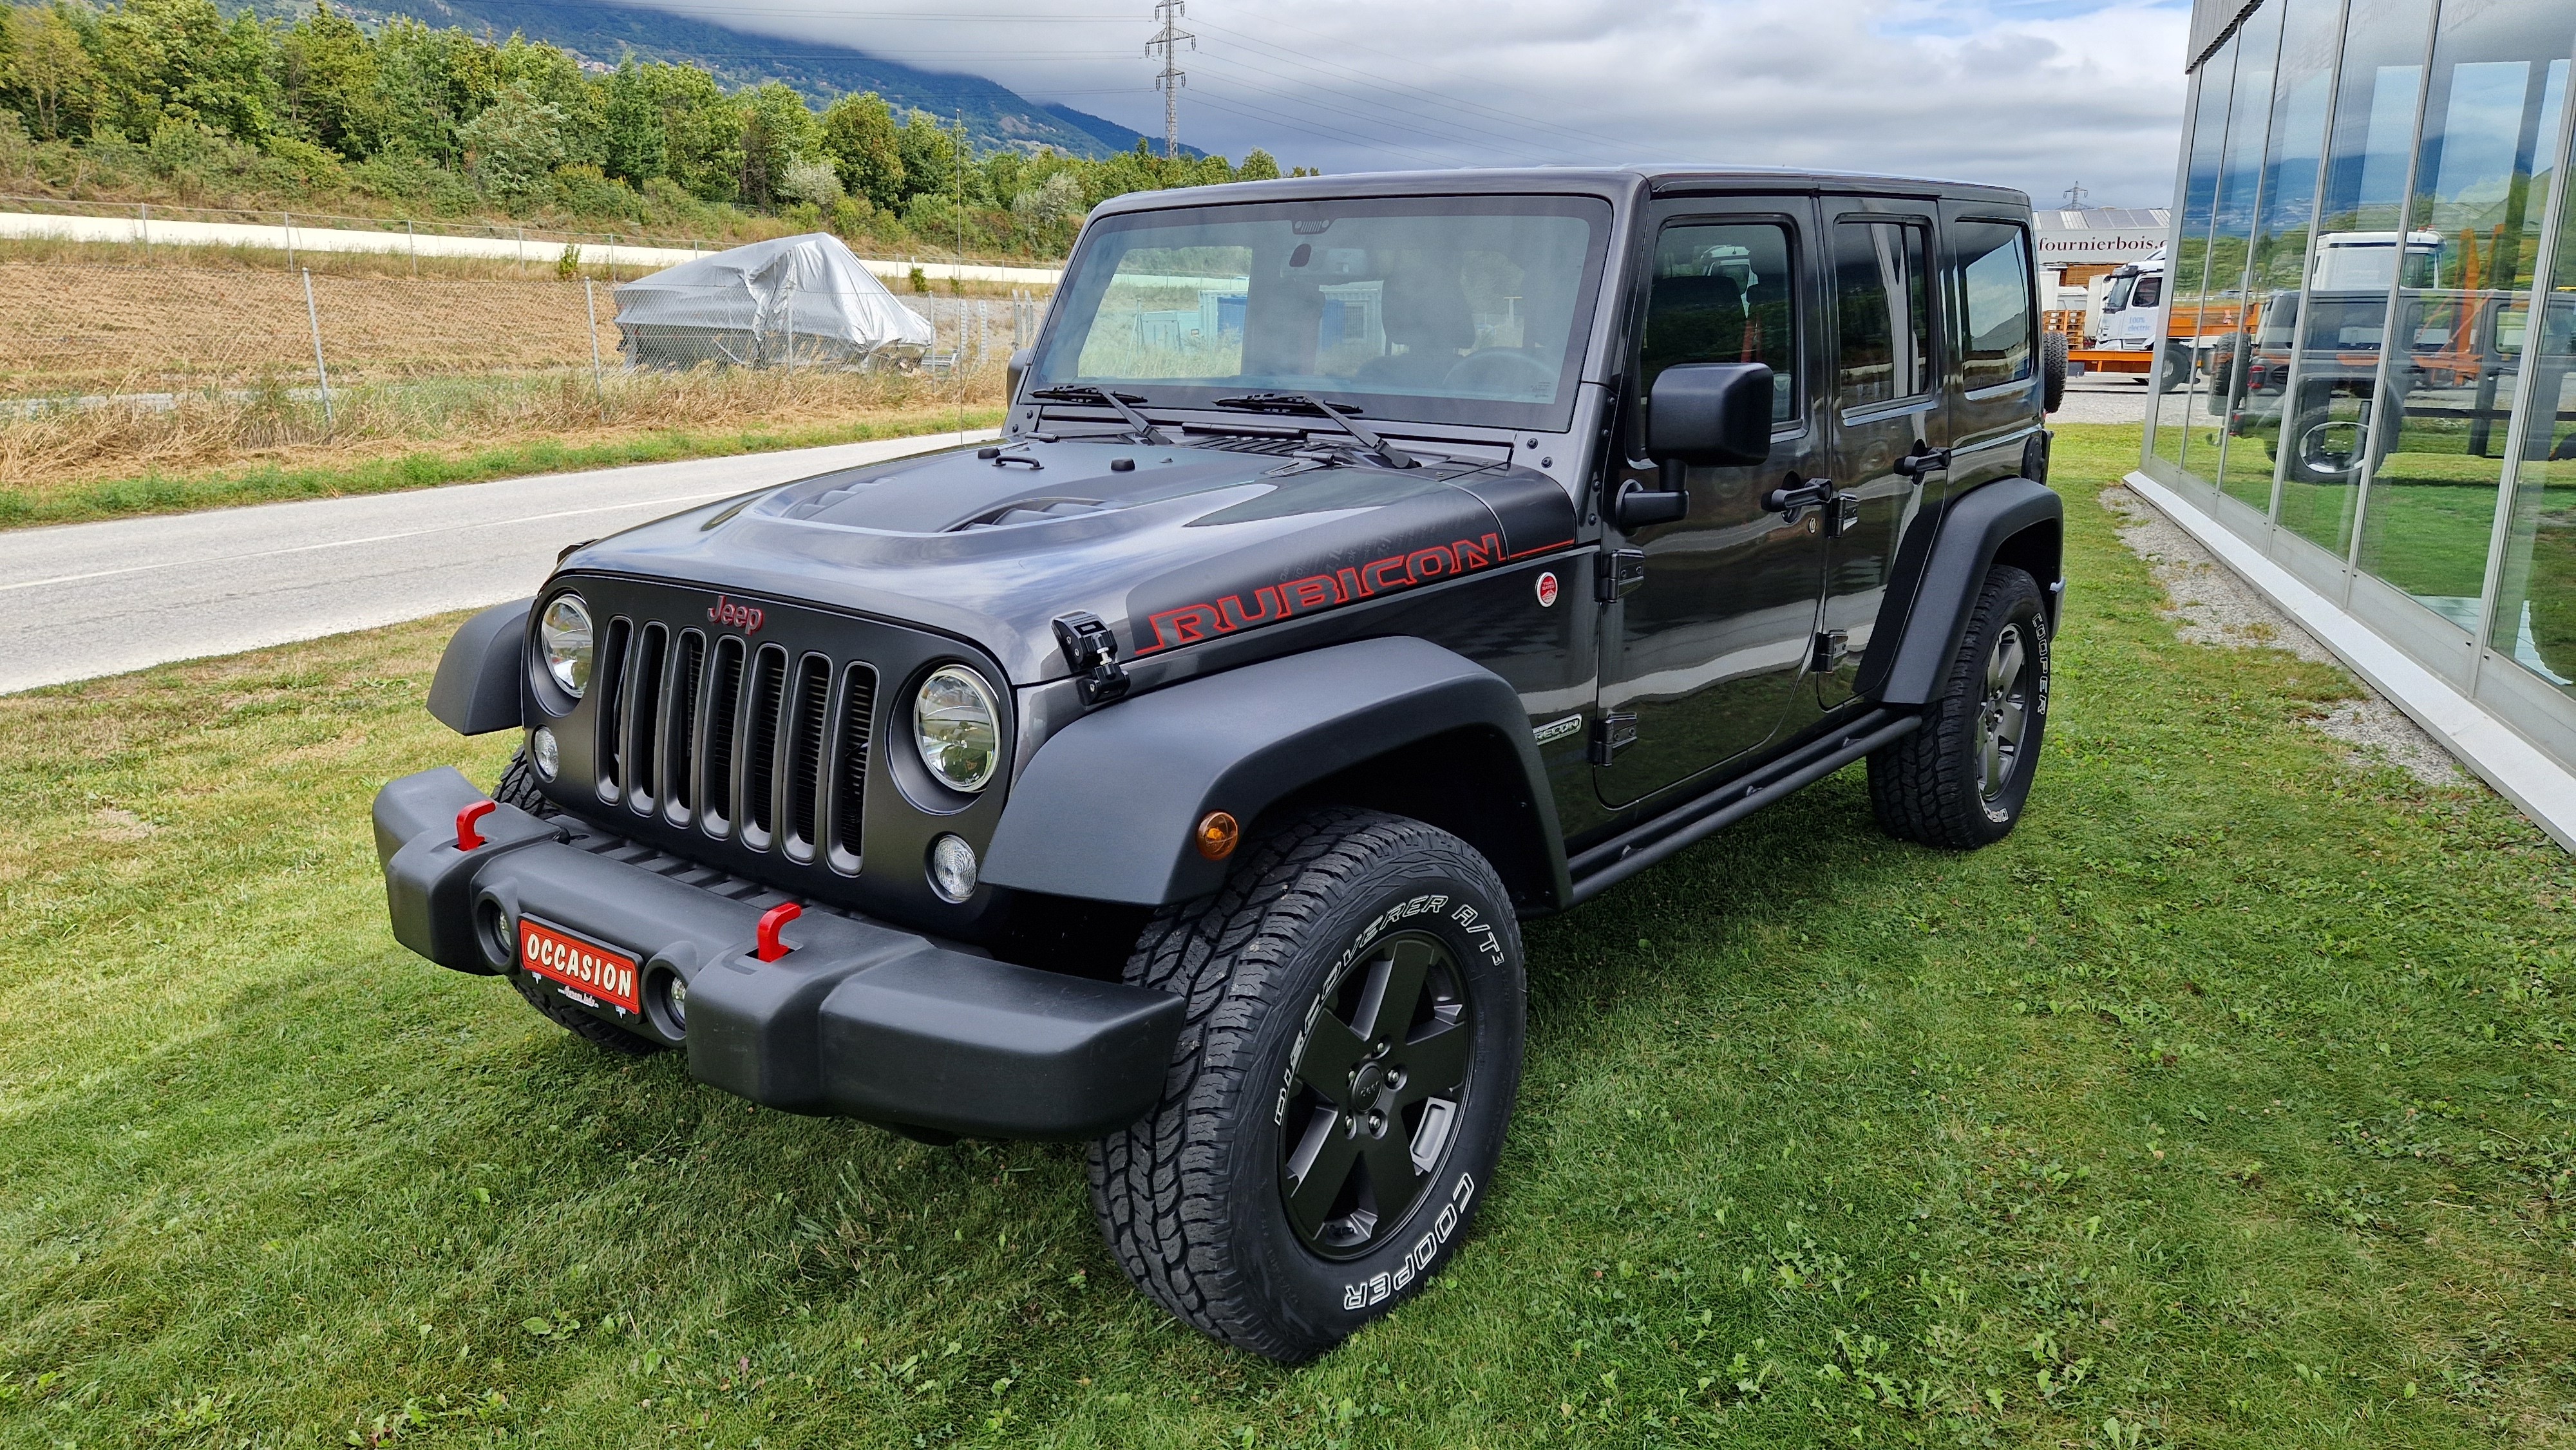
<point x="164" y="493"/>
<point x="2228" y="1103"/>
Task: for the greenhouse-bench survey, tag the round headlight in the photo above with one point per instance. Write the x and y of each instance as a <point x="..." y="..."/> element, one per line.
<point x="958" y="727"/>
<point x="563" y="634"/>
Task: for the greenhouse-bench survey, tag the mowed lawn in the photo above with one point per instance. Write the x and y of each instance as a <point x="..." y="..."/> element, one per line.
<point x="2227" y="1103"/>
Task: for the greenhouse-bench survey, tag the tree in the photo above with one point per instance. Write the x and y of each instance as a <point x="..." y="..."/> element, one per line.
<point x="777" y="131"/>
<point x="703" y="127"/>
<point x="181" y="58"/>
<point x="859" y="136"/>
<point x="638" y="144"/>
<point x="50" y="70"/>
<point x="332" y="83"/>
<point x="515" y="144"/>
<point x="1258" y="165"/>
<point x="931" y="154"/>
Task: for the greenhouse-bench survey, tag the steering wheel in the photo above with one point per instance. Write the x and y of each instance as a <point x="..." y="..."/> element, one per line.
<point x="1501" y="370"/>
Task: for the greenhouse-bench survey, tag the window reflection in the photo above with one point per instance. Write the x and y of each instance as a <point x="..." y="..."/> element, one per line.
<point x="2449" y="367"/>
<point x="2214" y="323"/>
<point x="2534" y="623"/>
<point x="2351" y="268"/>
<point x="2253" y="378"/>
<point x="2187" y="266"/>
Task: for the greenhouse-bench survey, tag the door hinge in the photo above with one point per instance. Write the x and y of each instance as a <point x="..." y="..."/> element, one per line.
<point x="1832" y="647"/>
<point x="1093" y="651"/>
<point x="1842" y="510"/>
<point x="1611" y="734"/>
<point x="1622" y="570"/>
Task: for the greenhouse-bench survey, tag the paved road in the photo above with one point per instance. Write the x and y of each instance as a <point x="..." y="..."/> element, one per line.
<point x="2103" y="398"/>
<point x="83" y="600"/>
<point x="541" y="249"/>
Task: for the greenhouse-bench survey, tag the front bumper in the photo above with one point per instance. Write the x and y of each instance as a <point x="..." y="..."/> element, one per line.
<point x="859" y="1019"/>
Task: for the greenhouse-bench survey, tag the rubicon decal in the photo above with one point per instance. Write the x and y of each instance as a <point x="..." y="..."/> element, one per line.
<point x="741" y="616"/>
<point x="1271" y="603"/>
<point x="585" y="970"/>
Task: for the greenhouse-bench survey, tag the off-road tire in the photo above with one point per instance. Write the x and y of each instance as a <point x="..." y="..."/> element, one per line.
<point x="518" y="786"/>
<point x="1926" y="787"/>
<point x="1192" y="1198"/>
<point x="2052" y="371"/>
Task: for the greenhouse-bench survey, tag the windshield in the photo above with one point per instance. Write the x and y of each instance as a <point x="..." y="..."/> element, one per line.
<point x="2118" y="296"/>
<point x="1446" y="309"/>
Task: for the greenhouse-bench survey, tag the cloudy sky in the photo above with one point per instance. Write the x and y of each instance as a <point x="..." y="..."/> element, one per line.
<point x="2038" y="94"/>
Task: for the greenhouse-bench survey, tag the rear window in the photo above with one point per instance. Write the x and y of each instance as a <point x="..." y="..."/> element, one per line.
<point x="1995" y="283"/>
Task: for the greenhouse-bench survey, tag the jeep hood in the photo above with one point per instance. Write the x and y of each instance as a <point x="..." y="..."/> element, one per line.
<point x="1169" y="546"/>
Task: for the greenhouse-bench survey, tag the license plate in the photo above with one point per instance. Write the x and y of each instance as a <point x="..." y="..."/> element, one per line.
<point x="587" y="968"/>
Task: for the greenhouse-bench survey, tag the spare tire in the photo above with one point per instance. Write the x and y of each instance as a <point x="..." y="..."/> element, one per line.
<point x="2052" y="370"/>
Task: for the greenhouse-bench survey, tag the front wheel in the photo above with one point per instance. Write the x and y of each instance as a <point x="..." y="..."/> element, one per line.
<point x="1336" y="1104"/>
<point x="1961" y="780"/>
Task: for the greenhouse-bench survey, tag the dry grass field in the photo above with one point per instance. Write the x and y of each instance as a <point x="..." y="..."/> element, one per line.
<point x="135" y="381"/>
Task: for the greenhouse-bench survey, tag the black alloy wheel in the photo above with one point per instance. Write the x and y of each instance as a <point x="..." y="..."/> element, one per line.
<point x="1383" y="1081"/>
<point x="2003" y="717"/>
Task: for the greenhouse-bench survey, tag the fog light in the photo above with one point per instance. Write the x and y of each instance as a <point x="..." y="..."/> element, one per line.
<point x="952" y="868"/>
<point x="543" y="754"/>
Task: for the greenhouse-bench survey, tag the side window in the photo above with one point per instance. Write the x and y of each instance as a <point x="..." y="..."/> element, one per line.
<point x="2151" y="290"/>
<point x="1994" y="285"/>
<point x="1724" y="293"/>
<point x="1883" y="313"/>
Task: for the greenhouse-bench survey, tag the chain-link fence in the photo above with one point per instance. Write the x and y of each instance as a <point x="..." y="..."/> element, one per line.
<point x="90" y="334"/>
<point x="124" y="371"/>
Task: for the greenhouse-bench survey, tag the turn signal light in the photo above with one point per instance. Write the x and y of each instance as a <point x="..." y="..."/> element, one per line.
<point x="1218" y="834"/>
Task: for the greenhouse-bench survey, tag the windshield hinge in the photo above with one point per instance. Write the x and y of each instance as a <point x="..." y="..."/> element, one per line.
<point x="1093" y="652"/>
<point x="1832" y="647"/>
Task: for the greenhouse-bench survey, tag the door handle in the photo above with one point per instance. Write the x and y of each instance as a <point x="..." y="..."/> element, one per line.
<point x="1789" y="498"/>
<point x="1922" y="461"/>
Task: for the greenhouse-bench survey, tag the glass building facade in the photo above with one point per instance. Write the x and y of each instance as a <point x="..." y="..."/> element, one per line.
<point x="2371" y="326"/>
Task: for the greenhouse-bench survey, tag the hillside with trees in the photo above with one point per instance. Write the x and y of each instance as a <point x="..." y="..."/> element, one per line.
<point x="174" y="101"/>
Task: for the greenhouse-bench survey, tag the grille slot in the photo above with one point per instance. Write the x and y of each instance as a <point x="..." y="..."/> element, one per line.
<point x="724" y="721"/>
<point x="679" y="751"/>
<point x="610" y="691"/>
<point x="643" y="712"/>
<point x="760" y="748"/>
<point x="804" y="756"/>
<point x="848" y="798"/>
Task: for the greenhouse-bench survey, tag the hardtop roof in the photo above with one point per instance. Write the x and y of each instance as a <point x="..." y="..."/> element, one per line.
<point x="1612" y="182"/>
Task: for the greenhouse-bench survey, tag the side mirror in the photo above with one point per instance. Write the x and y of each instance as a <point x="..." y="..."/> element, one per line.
<point x="1016" y="369"/>
<point x="1710" y="413"/>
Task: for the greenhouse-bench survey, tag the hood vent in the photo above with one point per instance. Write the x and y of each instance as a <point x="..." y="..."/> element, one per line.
<point x="1028" y="511"/>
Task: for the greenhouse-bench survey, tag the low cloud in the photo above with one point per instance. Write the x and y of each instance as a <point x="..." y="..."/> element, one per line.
<point x="2031" y="93"/>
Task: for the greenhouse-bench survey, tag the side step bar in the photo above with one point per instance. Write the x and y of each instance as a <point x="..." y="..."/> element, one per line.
<point x="1615" y="860"/>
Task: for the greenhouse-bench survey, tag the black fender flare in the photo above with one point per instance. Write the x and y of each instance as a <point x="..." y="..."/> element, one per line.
<point x="1106" y="808"/>
<point x="476" y="690"/>
<point x="2011" y="521"/>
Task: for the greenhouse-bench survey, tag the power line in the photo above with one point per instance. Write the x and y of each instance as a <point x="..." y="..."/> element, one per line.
<point x="1169" y="13"/>
<point x="1427" y="126"/>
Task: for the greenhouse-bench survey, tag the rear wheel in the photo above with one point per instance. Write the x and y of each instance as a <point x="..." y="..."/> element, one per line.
<point x="1961" y="781"/>
<point x="1337" y="1101"/>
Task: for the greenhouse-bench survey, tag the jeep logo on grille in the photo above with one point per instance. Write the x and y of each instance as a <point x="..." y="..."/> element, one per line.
<point x="741" y="616"/>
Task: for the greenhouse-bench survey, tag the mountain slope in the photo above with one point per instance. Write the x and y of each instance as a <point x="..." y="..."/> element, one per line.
<point x="995" y="116"/>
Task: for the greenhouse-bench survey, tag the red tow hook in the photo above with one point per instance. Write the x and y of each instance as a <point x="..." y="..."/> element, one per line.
<point x="771" y="948"/>
<point x="467" y="838"/>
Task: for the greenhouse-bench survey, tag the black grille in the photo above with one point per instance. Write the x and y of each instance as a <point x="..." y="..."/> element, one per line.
<point x="746" y="744"/>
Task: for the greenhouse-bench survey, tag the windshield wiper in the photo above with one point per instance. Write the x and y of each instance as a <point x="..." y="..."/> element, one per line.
<point x="1387" y="453"/>
<point x="1139" y="427"/>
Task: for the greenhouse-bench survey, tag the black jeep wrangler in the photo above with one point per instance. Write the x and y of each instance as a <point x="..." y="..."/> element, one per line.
<point x="1369" y="562"/>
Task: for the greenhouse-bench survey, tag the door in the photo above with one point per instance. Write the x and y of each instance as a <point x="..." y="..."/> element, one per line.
<point x="1885" y="406"/>
<point x="1703" y="655"/>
